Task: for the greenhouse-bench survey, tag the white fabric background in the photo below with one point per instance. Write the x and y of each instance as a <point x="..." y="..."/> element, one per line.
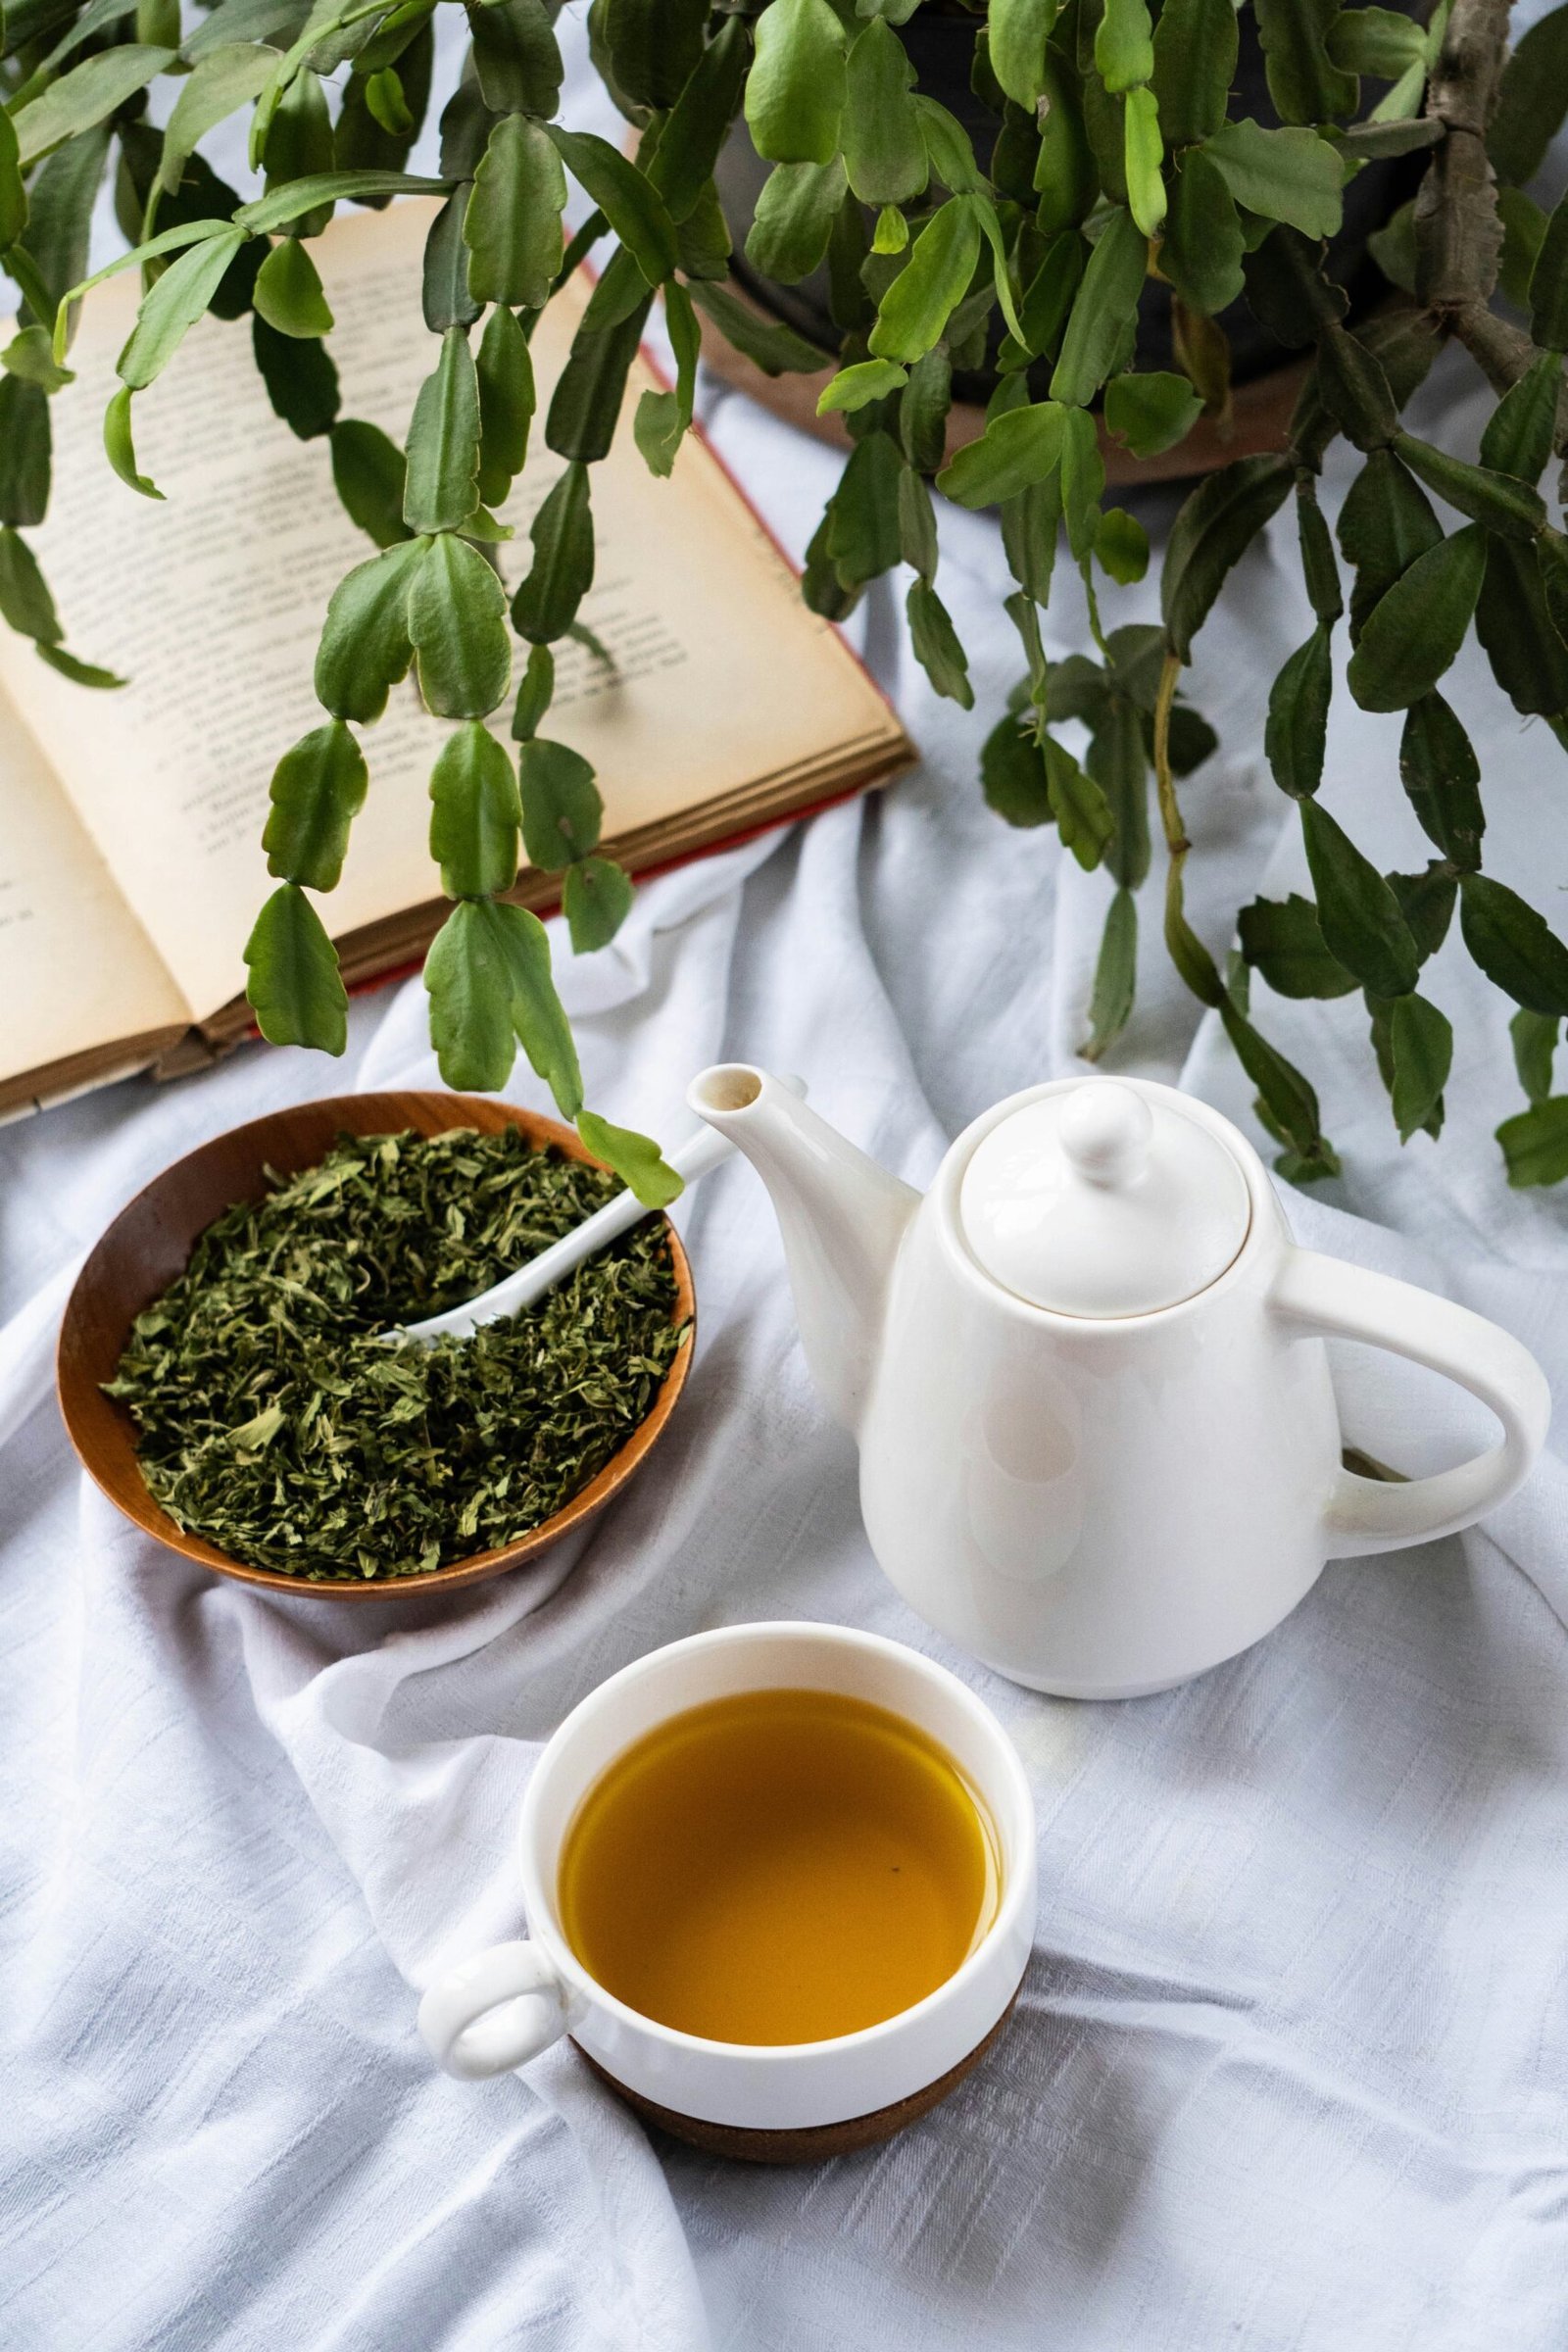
<point x="1290" y="2071"/>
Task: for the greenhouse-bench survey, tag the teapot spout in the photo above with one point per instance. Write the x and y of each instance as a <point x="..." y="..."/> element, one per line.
<point x="841" y="1216"/>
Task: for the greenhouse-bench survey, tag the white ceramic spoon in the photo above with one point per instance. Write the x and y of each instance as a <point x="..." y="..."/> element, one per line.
<point x="700" y="1152"/>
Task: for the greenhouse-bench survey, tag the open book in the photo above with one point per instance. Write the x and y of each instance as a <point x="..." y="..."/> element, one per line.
<point x="130" y="822"/>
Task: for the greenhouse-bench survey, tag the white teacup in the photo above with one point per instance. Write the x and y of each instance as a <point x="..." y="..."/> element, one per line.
<point x="506" y="2005"/>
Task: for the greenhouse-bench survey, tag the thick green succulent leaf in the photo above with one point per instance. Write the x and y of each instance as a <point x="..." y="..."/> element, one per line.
<point x="26" y="604"/>
<point x="1442" y="777"/>
<point x="1143" y="160"/>
<point x="922" y="298"/>
<point x="1504" y="505"/>
<point x="1106" y="304"/>
<point x="1513" y="945"/>
<point x="1528" y="658"/>
<point x="1427" y="903"/>
<point x="1195" y="63"/>
<point x="1534" y="1036"/>
<point x="561" y="807"/>
<point x="222" y="79"/>
<point x="1360" y="916"/>
<point x="1535" y="1144"/>
<point x="25" y="444"/>
<point x="884" y="147"/>
<point x="694" y="130"/>
<point x="1015" y="449"/>
<point x="288" y="292"/>
<point x="1295" y="732"/>
<point x="1417" y="626"/>
<point x="516" y="56"/>
<point x="595" y="899"/>
<point x="1305" y="82"/>
<point x="442" y="488"/>
<point x="367" y="473"/>
<point x="301" y="381"/>
<point x="503" y="369"/>
<point x="118" y="449"/>
<point x="85" y="96"/>
<point x="591" y="389"/>
<point x="854" y="388"/>
<point x="1012" y="774"/>
<point x="936" y="644"/>
<point x="633" y="1157"/>
<point x="1519" y="432"/>
<point x="173" y="307"/>
<point x="1118" y="762"/>
<point x="1204" y="245"/>
<point x="862" y="538"/>
<point x="1018" y="30"/>
<point x="1548" y="283"/>
<point x="1214" y="530"/>
<point x="794" y="220"/>
<point x="1283" y="940"/>
<point x="457" y="629"/>
<point x="475" y="815"/>
<point x="795" y="92"/>
<point x="1532" y="99"/>
<point x="521" y="946"/>
<point x="1064" y="176"/>
<point x="295" y="988"/>
<point x="468" y="981"/>
<point x="776" y="349"/>
<point x="652" y="46"/>
<point x="1421" y="1050"/>
<point x="1111" y="1002"/>
<point x="629" y="202"/>
<point x="562" y="535"/>
<point x="318" y="790"/>
<point x="1150" y="412"/>
<point x="1385" y="524"/>
<point x="1080" y="807"/>
<point x="512" y="222"/>
<point x="1379" y="42"/>
<point x="364" y="647"/>
<point x="1290" y="176"/>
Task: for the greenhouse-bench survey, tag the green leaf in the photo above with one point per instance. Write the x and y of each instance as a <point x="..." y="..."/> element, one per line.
<point x="1535" y="1046"/>
<point x="595" y="899"/>
<point x="1283" y="939"/>
<point x="443" y="456"/>
<point x="288" y="292"/>
<point x="1354" y="390"/>
<point x="1018" y="32"/>
<point x="387" y="103"/>
<point x="1548" y="283"/>
<point x="663" y="417"/>
<point x="1214" y="529"/>
<point x="13" y="193"/>
<point x="1386" y="522"/>
<point x="1528" y="658"/>
<point x="1417" y="626"/>
<point x="516" y="56"/>
<point x="1426" y="901"/>
<point x="1080" y="810"/>
<point x="1519" y="432"/>
<point x="936" y="645"/>
<point x="653" y="46"/>
<point x="1303" y="82"/>
<point x="318" y="790"/>
<point x="475" y="815"/>
<point x="1502" y="503"/>
<point x="26" y="604"/>
<point x="631" y="205"/>
<point x="173" y="307"/>
<point x="884" y="148"/>
<point x="1362" y="925"/>
<point x="279" y="206"/>
<point x="1106" y="304"/>
<point x="300" y="378"/>
<point x="87" y="95"/>
<point x="1083" y="483"/>
<point x="863" y="513"/>
<point x="1551" y="553"/>
<point x="633" y="1157"/>
<point x="916" y="307"/>
<point x="295" y="988"/>
<point x="794" y="220"/>
<point x="1111" y="1004"/>
<point x="1150" y="412"/>
<point x="1421" y="1044"/>
<point x="1296" y="733"/>
<point x="1124" y="49"/>
<point x="469" y="983"/>
<point x="1143" y="154"/>
<point x="364" y="647"/>
<point x="1534" y="1142"/>
<point x="1442" y="776"/>
<point x="368" y="474"/>
<point x="1064" y="175"/>
<point x="796" y="90"/>
<point x="1513" y="945"/>
<point x="80" y="673"/>
<point x="445" y="295"/>
<point x="512" y="224"/>
<point x="1319" y="571"/>
<point x="562" y="535"/>
<point x="29" y="355"/>
<point x="222" y="80"/>
<point x="457" y="629"/>
<point x="1012" y="774"/>
<point x="776" y="349"/>
<point x="1017" y="449"/>
<point x="1288" y="175"/>
<point x="694" y="133"/>
<point x="855" y="387"/>
<point x="1379" y="42"/>
<point x="297" y="143"/>
<point x="1290" y="1101"/>
<point x="118" y="448"/>
<point x="1203" y="244"/>
<point x="521" y="946"/>
<point x="585" y="407"/>
<point x="1121" y="546"/>
<point x="60" y="205"/>
<point x="505" y="375"/>
<point x="534" y="693"/>
<point x="1195" y="63"/>
<point x="1531" y="98"/>
<point x="1119" y="764"/>
<point x="562" y="810"/>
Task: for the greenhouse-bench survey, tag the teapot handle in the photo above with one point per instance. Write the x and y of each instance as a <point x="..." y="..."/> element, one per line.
<point x="1337" y="1300"/>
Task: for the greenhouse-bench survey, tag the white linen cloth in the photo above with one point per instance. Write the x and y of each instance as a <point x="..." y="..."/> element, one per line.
<point x="1289" y="2069"/>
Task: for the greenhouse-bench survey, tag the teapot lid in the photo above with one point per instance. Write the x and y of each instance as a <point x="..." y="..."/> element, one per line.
<point x="1104" y="1199"/>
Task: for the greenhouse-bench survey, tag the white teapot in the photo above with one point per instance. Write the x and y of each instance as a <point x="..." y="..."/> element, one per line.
<point x="1099" y="1443"/>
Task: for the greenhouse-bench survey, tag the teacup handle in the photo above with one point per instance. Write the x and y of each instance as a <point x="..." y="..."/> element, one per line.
<point x="493" y="2012"/>
<point x="1339" y="1300"/>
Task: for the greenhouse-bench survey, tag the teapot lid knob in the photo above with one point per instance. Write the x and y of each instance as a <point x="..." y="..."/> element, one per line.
<point x="1107" y="1132"/>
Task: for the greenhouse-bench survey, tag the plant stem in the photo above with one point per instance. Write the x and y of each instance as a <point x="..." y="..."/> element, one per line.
<point x="1170" y="815"/>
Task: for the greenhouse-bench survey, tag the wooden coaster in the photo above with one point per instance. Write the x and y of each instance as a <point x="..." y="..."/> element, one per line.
<point x="817" y="2141"/>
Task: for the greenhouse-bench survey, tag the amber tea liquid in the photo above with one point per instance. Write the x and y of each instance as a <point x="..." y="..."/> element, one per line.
<point x="779" y="1866"/>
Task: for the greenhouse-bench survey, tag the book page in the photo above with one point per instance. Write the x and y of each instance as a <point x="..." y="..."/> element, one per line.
<point x="211" y="604"/>
<point x="76" y="969"/>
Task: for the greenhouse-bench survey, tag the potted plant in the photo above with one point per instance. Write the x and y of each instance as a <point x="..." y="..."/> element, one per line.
<point x="1117" y="154"/>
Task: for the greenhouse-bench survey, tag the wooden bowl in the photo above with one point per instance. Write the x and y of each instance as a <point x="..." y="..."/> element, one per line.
<point x="150" y="1242"/>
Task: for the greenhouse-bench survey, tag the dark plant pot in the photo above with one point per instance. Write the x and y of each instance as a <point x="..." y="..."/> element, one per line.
<point x="941" y="48"/>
